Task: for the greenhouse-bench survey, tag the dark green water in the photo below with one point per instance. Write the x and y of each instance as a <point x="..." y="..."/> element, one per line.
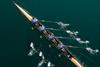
<point x="16" y="34"/>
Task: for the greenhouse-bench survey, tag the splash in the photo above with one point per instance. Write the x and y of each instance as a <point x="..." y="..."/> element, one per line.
<point x="49" y="64"/>
<point x="92" y="51"/>
<point x="32" y="50"/>
<point x="62" y="25"/>
<point x="43" y="61"/>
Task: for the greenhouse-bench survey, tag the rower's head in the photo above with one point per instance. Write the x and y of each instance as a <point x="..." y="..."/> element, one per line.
<point x="34" y="21"/>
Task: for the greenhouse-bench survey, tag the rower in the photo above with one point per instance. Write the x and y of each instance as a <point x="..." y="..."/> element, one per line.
<point x="40" y="27"/>
<point x="50" y="35"/>
<point x="57" y="41"/>
<point x="34" y="21"/>
<point x="60" y="46"/>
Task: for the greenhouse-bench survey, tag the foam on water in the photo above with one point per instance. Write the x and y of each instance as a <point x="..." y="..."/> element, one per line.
<point x="32" y="50"/>
<point x="43" y="61"/>
<point x="92" y="51"/>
